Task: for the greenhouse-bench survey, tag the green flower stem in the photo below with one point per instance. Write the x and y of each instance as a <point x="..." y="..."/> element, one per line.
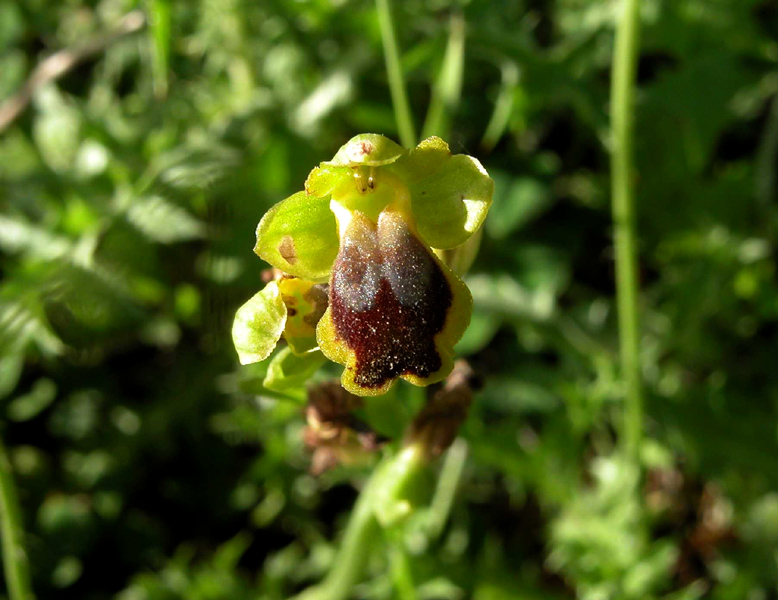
<point x="389" y="500"/>
<point x="503" y="107"/>
<point x="353" y="553"/>
<point x="448" y="482"/>
<point x="400" y="566"/>
<point x="380" y="499"/>
<point x="159" y="30"/>
<point x="15" y="563"/>
<point x="623" y="192"/>
<point x="766" y="178"/>
<point x="448" y="87"/>
<point x="402" y="109"/>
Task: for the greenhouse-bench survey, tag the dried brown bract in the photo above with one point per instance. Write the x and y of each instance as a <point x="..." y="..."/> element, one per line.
<point x="333" y="434"/>
<point x="437" y="425"/>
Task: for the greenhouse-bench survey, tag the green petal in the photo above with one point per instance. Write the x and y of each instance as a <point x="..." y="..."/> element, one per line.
<point x="258" y="325"/>
<point x="299" y="236"/>
<point x="305" y="304"/>
<point x="368" y="149"/>
<point x="450" y="195"/>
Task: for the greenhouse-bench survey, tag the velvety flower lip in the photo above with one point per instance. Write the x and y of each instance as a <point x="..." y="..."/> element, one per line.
<point x="367" y="223"/>
<point x="390" y="303"/>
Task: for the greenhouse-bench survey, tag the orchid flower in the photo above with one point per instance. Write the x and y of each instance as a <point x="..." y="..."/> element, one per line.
<point x="370" y="223"/>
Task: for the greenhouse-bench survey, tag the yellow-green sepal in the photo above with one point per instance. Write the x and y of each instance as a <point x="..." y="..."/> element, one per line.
<point x="450" y="194"/>
<point x="259" y="324"/>
<point x="369" y="150"/>
<point x="299" y="236"/>
<point x="426" y="158"/>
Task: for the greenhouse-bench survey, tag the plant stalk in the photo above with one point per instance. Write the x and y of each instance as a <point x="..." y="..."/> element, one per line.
<point x="447" y="90"/>
<point x="445" y="493"/>
<point x="623" y="192"/>
<point x="381" y="494"/>
<point x="15" y="563"/>
<point x="503" y="107"/>
<point x="402" y="109"/>
<point x="159" y="29"/>
<point x="400" y="567"/>
<point x="766" y="178"/>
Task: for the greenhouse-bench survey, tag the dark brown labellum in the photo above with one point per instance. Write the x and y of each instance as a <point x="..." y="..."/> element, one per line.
<point x="388" y="300"/>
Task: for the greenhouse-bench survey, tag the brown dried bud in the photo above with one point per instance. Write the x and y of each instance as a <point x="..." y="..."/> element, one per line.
<point x="437" y="424"/>
<point x="333" y="434"/>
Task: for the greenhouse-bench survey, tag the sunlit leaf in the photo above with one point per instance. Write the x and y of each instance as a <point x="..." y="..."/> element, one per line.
<point x="57" y="130"/>
<point x="19" y="235"/>
<point x="11" y="364"/>
<point x="516" y="202"/>
<point x="26" y="407"/>
<point x="164" y="222"/>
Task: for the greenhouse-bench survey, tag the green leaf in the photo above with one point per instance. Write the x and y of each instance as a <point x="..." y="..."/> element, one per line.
<point x="299" y="236"/>
<point x="10" y="372"/>
<point x="67" y="571"/>
<point x="516" y="202"/>
<point x="288" y="370"/>
<point x="368" y="149"/>
<point x="450" y="195"/>
<point x="195" y="167"/>
<point x="22" y="321"/>
<point x="258" y="325"/>
<point x="12" y="25"/>
<point x="56" y="129"/>
<point x="160" y="44"/>
<point x="17" y="234"/>
<point x="13" y="66"/>
<point x="483" y="326"/>
<point x="164" y="222"/>
<point x="87" y="301"/>
<point x="26" y="407"/>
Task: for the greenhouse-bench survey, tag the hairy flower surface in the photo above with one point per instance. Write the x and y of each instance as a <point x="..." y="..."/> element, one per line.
<point x="367" y="223"/>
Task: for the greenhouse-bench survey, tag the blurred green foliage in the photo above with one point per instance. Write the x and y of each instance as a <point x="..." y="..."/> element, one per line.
<point x="152" y="467"/>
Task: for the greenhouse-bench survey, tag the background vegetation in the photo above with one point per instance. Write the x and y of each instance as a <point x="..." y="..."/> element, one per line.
<point x="131" y="187"/>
